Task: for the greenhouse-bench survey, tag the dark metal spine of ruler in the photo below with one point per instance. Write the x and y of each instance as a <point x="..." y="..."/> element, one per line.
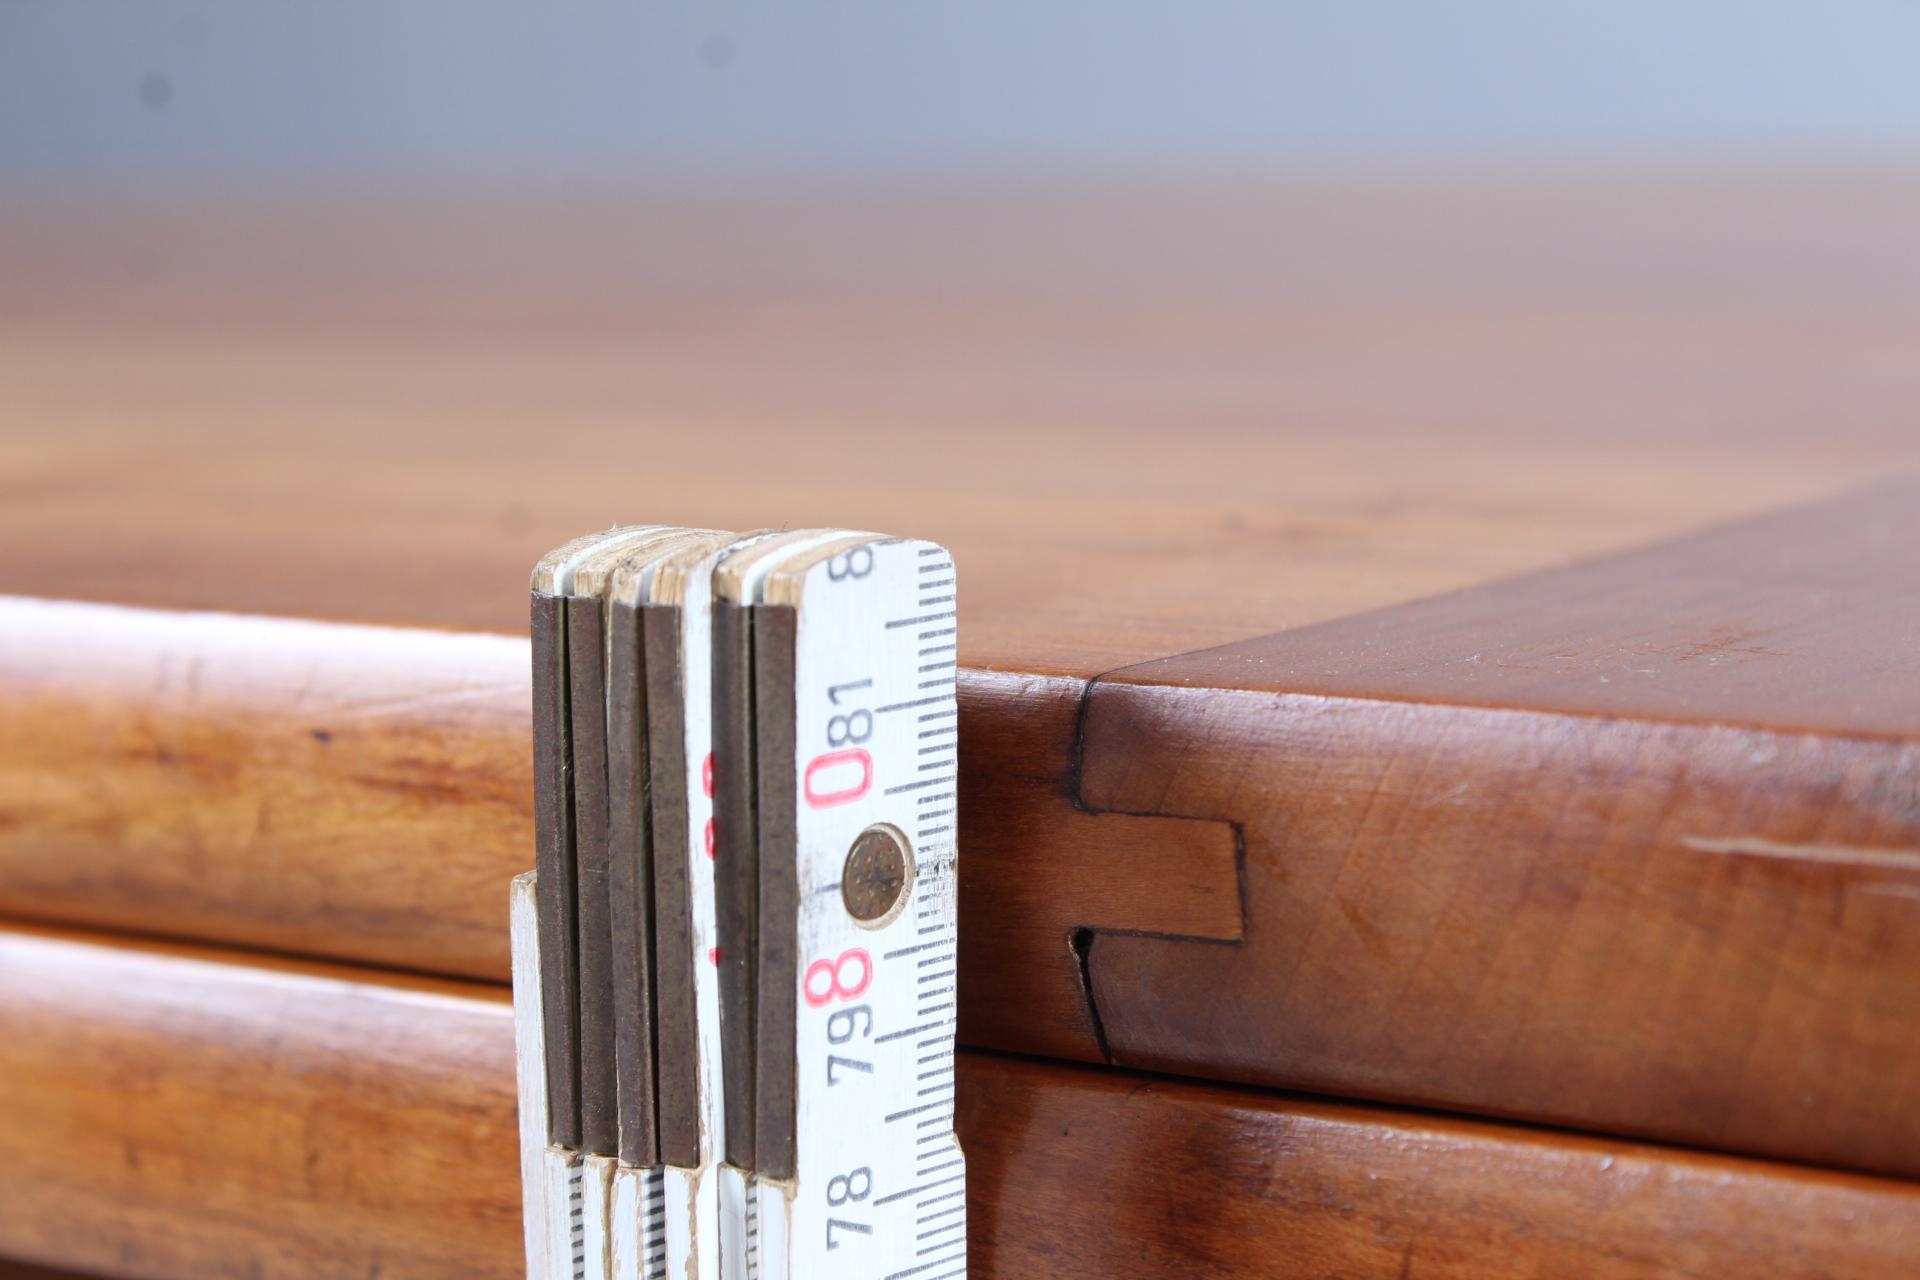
<point x="630" y="848"/>
<point x="586" y="685"/>
<point x="676" y="1071"/>
<point x="736" y="868"/>
<point x="775" y="629"/>
<point x="553" y="860"/>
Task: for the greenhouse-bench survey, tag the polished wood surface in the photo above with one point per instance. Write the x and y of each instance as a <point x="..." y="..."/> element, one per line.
<point x="1135" y="1178"/>
<point x="1687" y="929"/>
<point x="180" y="1113"/>
<point x="1147" y="418"/>
<point x="1630" y="846"/>
<point x="1799" y="621"/>
<point x="174" y="1114"/>
<point x="363" y="793"/>
<point x="354" y="792"/>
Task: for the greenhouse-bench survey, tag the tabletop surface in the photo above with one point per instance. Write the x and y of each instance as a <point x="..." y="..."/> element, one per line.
<point x="1148" y="417"/>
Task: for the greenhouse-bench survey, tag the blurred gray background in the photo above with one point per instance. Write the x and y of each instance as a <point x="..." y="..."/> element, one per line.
<point x="94" y="91"/>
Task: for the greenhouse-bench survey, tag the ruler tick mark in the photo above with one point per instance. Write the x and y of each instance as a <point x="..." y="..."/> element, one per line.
<point x="908" y="1031"/>
<point x="893" y="623"/>
<point x="907" y="951"/>
<point x="902" y="706"/>
<point x="912" y="1191"/>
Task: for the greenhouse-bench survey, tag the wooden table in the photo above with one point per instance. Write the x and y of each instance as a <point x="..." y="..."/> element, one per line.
<point x="1441" y="783"/>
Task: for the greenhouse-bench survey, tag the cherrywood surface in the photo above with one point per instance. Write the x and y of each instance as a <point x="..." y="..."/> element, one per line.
<point x="1799" y="621"/>
<point x="182" y="1113"/>
<point x="1698" y="931"/>
<point x="362" y="793"/>
<point x="1111" y="1174"/>
<point x="168" y="1114"/>
<point x="1148" y="416"/>
<point x="1632" y="845"/>
<point x="354" y="792"/>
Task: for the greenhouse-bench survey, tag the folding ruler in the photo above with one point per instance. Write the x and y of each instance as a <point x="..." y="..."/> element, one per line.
<point x="734" y="965"/>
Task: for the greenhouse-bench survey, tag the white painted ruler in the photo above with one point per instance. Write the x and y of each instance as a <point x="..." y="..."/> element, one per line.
<point x="856" y="1170"/>
<point x="779" y="769"/>
<point x="624" y="1186"/>
<point x="674" y="597"/>
<point x="575" y="1175"/>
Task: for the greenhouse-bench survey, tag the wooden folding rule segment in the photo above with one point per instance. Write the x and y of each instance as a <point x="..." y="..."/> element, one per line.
<point x="735" y="964"/>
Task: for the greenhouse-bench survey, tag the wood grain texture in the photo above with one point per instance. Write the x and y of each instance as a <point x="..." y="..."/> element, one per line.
<point x="1040" y="872"/>
<point x="1147" y="417"/>
<point x="362" y="793"/>
<point x="354" y="792"/>
<point x="1614" y="925"/>
<point x="1692" y="930"/>
<point x="1632" y="846"/>
<point x="1800" y="621"/>
<point x="1135" y="1178"/>
<point x="365" y="1126"/>
<point x="172" y="1114"/>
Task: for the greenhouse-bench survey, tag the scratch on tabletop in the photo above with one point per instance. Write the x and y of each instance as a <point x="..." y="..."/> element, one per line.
<point x="1840" y="854"/>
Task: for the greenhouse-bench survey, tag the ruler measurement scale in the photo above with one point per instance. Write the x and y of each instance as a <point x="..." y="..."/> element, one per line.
<point x="866" y="1050"/>
<point x="670" y="664"/>
<point x="736" y="585"/>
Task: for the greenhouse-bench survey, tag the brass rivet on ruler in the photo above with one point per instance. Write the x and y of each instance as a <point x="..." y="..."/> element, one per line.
<point x="877" y="875"/>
